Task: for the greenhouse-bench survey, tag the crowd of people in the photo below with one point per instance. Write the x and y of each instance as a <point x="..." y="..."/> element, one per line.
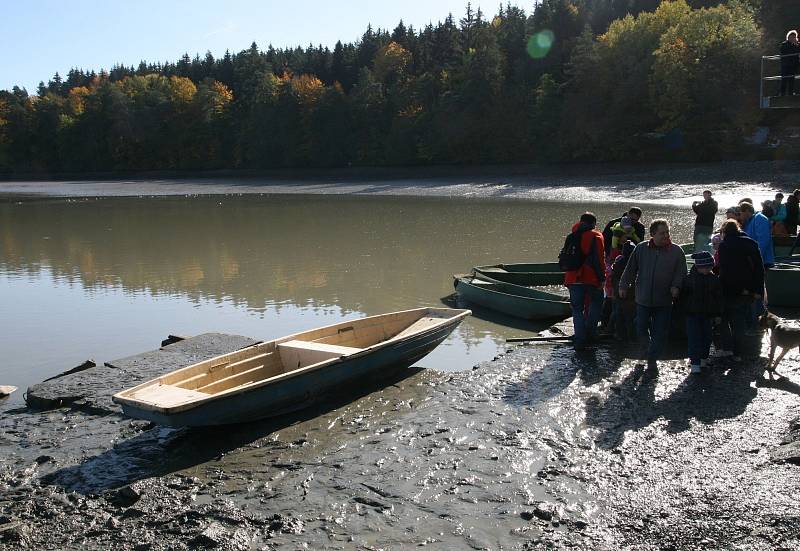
<point x="627" y="284"/>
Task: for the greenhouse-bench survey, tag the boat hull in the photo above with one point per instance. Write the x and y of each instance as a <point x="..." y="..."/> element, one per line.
<point x="783" y="282"/>
<point x="297" y="392"/>
<point x="507" y="298"/>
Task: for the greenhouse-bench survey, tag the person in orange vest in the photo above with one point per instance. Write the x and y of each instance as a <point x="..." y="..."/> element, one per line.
<point x="585" y="279"/>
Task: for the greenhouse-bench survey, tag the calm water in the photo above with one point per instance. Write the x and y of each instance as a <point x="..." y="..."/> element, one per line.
<point x="109" y="277"/>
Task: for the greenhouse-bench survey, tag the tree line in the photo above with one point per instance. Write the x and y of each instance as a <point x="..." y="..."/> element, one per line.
<point x="572" y="80"/>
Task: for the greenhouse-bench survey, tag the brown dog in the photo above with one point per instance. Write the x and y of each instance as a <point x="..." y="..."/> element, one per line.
<point x="780" y="334"/>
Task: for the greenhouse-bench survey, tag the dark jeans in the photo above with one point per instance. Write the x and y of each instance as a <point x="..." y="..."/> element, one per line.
<point x="702" y="236"/>
<point x="652" y="326"/>
<point x="698" y="332"/>
<point x="787" y="85"/>
<point x="585" y="316"/>
<point x="738" y="311"/>
<point x="624" y="317"/>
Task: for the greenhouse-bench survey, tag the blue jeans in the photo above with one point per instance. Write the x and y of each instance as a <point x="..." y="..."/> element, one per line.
<point x="585" y="317"/>
<point x="652" y="326"/>
<point x="698" y="332"/>
<point x="737" y="314"/>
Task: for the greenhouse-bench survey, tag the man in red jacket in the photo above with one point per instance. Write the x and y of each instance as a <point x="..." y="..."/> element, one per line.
<point x="585" y="283"/>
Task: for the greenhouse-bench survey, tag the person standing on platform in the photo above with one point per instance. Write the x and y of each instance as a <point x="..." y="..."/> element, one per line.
<point x="790" y="50"/>
<point x="706" y="211"/>
<point x="585" y="280"/>
<point x="657" y="268"/>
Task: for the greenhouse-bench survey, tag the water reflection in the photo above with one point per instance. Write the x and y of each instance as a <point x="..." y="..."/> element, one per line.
<point x="109" y="277"/>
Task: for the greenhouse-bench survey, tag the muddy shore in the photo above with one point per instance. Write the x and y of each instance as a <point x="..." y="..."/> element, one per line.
<point x="539" y="449"/>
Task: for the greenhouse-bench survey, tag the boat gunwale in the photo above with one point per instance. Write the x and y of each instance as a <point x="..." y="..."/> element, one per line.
<point x="122" y="397"/>
<point x="495" y="282"/>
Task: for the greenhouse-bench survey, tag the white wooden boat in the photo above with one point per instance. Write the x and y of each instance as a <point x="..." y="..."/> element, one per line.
<point x="275" y="377"/>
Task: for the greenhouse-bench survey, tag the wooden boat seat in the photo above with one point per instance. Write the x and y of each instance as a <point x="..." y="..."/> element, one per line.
<point x="167" y="396"/>
<point x="420" y="325"/>
<point x="296" y="354"/>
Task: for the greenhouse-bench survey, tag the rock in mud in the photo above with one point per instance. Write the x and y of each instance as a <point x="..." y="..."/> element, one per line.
<point x="90" y="389"/>
<point x="214" y="535"/>
<point x="12" y="532"/>
<point x="286" y="525"/>
<point x="125" y="496"/>
<point x="789" y="453"/>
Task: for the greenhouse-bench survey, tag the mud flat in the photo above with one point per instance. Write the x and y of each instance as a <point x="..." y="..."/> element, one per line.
<point x="539" y="449"/>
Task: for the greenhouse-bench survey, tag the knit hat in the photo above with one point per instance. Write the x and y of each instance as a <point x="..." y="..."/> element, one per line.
<point x="703" y="259"/>
<point x="626" y="222"/>
<point x="733" y="210"/>
<point x="627" y="248"/>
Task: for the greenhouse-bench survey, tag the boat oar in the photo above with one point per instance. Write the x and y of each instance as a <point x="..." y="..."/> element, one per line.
<point x="541" y="339"/>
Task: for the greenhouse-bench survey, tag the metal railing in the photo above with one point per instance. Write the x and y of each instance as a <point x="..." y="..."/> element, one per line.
<point x="765" y="101"/>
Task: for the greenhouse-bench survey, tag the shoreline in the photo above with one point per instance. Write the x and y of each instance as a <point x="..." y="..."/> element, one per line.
<point x="580" y="183"/>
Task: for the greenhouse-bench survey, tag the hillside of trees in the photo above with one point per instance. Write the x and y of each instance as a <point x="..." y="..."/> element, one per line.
<point x="574" y="80"/>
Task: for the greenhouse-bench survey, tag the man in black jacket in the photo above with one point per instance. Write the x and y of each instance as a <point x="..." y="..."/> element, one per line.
<point x="635" y="214"/>
<point x="706" y="211"/>
<point x="790" y="48"/>
<point x="741" y="275"/>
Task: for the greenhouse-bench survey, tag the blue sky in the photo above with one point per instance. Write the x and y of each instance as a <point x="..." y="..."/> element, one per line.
<point x="40" y="37"/>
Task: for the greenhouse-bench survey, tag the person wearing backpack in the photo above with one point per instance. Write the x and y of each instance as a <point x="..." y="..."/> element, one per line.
<point x="582" y="259"/>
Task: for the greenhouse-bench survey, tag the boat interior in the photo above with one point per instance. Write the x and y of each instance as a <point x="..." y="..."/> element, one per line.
<point x="263" y="361"/>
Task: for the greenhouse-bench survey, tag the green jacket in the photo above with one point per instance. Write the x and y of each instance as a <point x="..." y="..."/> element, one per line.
<point x="655" y="271"/>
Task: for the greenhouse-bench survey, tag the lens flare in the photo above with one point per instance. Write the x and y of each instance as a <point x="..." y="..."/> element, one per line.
<point x="540" y="43"/>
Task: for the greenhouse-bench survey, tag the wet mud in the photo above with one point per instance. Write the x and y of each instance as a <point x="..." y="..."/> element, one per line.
<point x="541" y="448"/>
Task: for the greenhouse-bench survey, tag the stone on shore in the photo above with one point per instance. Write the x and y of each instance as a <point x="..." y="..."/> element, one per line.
<point x="90" y="389"/>
<point x="6" y="390"/>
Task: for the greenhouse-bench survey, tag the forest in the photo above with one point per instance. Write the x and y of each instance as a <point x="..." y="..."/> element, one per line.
<point x="571" y="81"/>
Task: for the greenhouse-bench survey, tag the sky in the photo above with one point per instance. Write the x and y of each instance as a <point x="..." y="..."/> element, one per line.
<point x="40" y="37"/>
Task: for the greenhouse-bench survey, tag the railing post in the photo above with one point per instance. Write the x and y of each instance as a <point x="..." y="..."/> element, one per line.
<point x="761" y="100"/>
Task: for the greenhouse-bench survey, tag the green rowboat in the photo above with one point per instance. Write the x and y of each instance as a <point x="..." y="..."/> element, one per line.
<point x="514" y="300"/>
<point x="543" y="273"/>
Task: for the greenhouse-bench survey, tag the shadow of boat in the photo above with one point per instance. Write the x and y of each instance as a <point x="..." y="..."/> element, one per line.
<point x="160" y="450"/>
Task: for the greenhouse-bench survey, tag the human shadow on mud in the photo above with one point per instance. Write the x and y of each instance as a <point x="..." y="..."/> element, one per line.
<point x="160" y="451"/>
<point x="561" y="367"/>
<point x="721" y="392"/>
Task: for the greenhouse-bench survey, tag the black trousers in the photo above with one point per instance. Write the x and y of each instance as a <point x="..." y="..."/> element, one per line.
<point x="787" y="85"/>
